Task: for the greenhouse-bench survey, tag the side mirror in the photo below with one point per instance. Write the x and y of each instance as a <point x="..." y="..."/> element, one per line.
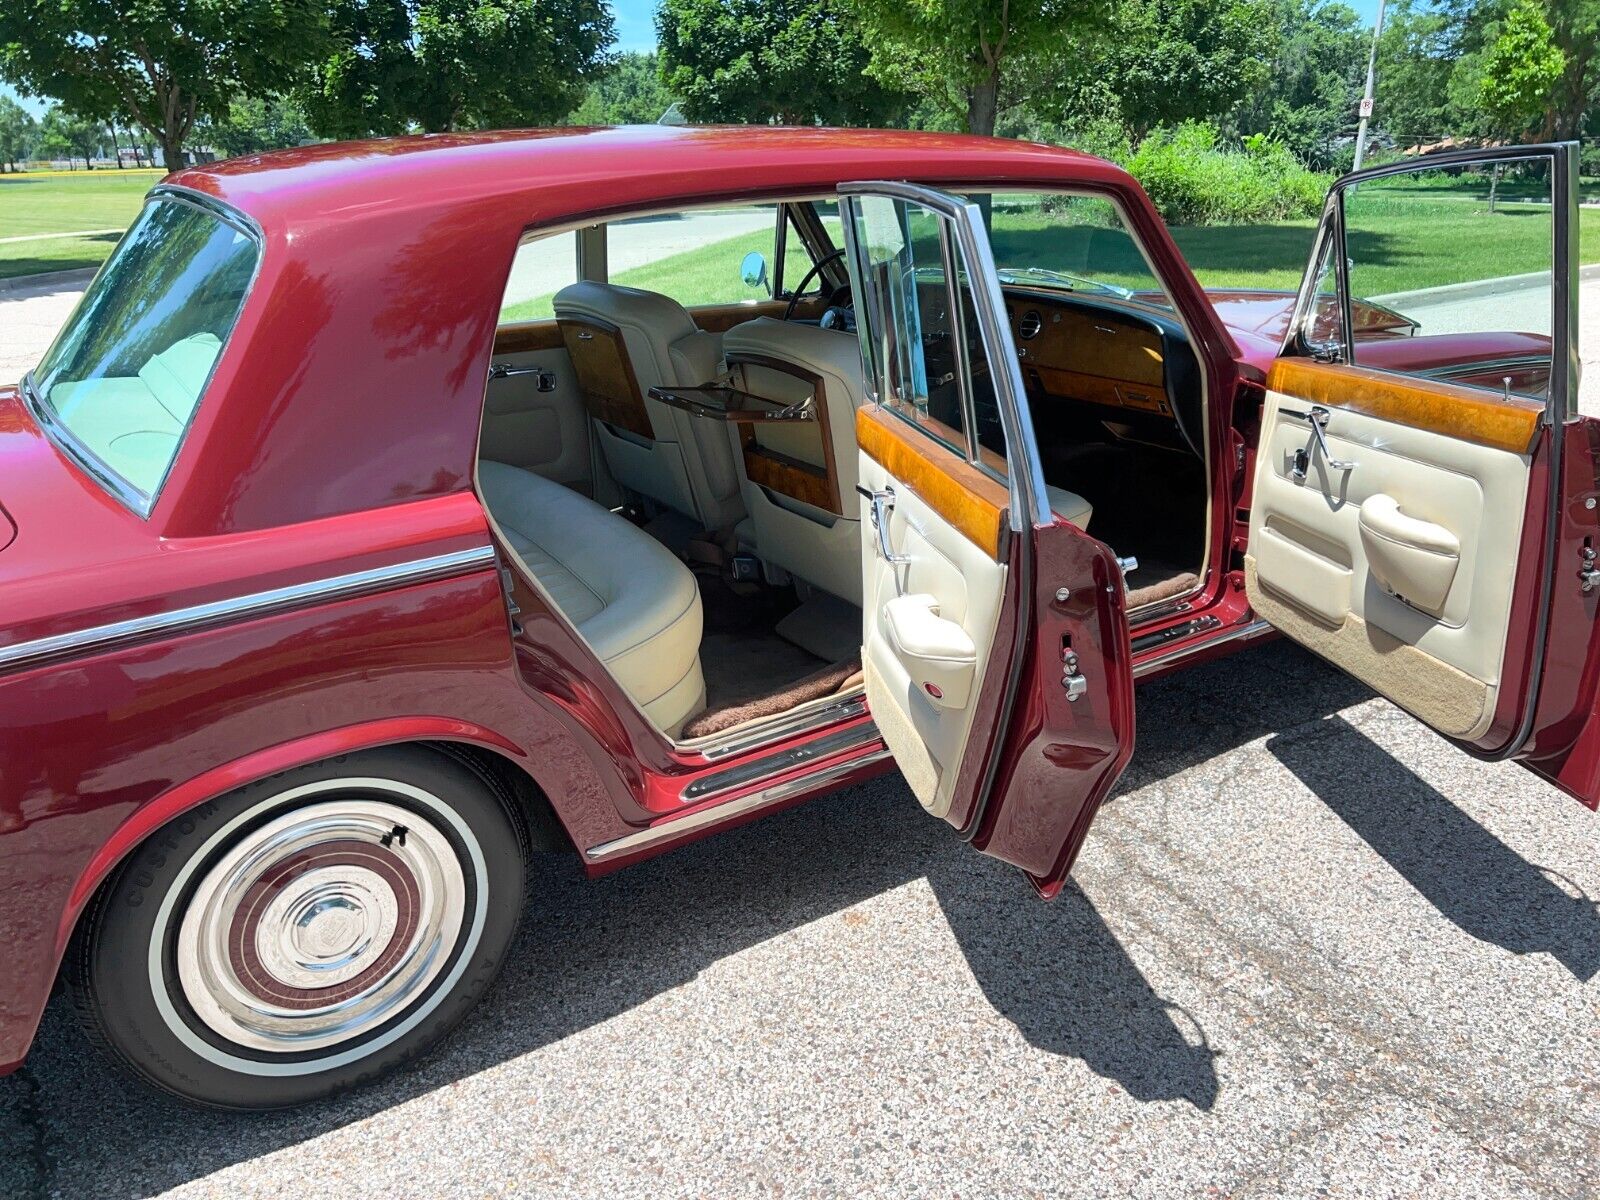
<point x="753" y="271"/>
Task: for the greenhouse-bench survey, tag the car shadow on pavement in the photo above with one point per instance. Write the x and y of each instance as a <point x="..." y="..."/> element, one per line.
<point x="592" y="950"/>
<point x="1470" y="876"/>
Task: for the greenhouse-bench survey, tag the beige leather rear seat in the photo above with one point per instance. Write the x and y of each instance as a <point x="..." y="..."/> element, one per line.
<point x="636" y="605"/>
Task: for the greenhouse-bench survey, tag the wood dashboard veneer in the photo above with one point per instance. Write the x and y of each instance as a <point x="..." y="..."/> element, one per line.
<point x="972" y="502"/>
<point x="1091" y="343"/>
<point x="1451" y="410"/>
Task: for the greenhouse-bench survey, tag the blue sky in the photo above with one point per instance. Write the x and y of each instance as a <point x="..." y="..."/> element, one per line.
<point x="636" y="30"/>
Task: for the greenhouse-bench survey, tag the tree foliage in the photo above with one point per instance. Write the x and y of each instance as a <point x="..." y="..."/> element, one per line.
<point x="794" y="62"/>
<point x="162" y="63"/>
<point x="1314" y="78"/>
<point x="963" y="53"/>
<point x="1520" y="68"/>
<point x="256" y="124"/>
<point x="438" y="65"/>
<point x="64" y="134"/>
<point x="1171" y="61"/>
<point x="629" y="93"/>
<point x="19" y="133"/>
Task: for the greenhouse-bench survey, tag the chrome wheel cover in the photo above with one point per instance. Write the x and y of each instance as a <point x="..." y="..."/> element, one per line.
<point x="323" y="924"/>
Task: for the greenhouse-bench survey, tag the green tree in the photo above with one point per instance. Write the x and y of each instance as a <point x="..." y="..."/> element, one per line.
<point x="255" y="124"/>
<point x="455" y="64"/>
<point x="1171" y="61"/>
<point x="1520" y="68"/>
<point x="629" y="93"/>
<point x="19" y="133"/>
<point x="163" y="63"/>
<point x="795" y="62"/>
<point x="1417" y="57"/>
<point x="973" y="56"/>
<point x="68" y="135"/>
<point x="1312" y="83"/>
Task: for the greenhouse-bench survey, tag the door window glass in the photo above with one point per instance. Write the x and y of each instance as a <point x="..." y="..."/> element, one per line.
<point x="1450" y="274"/>
<point x="919" y="330"/>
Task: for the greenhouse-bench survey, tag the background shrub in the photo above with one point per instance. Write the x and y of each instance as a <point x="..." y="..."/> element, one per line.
<point x="1194" y="181"/>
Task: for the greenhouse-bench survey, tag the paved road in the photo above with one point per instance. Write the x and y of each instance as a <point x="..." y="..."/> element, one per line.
<point x="1309" y="950"/>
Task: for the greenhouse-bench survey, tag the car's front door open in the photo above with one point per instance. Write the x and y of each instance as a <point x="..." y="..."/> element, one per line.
<point x="994" y="641"/>
<point x="1410" y="486"/>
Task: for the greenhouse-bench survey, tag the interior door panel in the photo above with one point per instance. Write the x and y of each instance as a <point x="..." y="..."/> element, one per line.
<point x="945" y="524"/>
<point x="543" y="432"/>
<point x="1401" y="567"/>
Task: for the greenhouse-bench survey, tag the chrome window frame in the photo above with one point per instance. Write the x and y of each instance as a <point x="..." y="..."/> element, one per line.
<point x="1029" y="500"/>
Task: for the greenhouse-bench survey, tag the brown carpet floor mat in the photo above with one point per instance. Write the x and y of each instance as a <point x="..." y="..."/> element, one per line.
<point x="830" y="679"/>
<point x="1154" y="582"/>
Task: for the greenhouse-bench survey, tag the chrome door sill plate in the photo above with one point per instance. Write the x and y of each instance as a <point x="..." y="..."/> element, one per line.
<point x="861" y="736"/>
<point x="1237" y="633"/>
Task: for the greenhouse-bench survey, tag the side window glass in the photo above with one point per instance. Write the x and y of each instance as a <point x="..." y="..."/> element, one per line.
<point x="541" y="268"/>
<point x="699" y="256"/>
<point x="918" y="328"/>
<point x="1450" y="274"/>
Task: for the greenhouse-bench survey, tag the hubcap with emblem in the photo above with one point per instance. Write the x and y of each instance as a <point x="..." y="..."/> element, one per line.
<point x="318" y="927"/>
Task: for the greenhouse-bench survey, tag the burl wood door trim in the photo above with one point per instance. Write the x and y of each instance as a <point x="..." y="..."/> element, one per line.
<point x="802" y="481"/>
<point x="527" y="337"/>
<point x="605" y="374"/>
<point x="972" y="502"/>
<point x="1451" y="410"/>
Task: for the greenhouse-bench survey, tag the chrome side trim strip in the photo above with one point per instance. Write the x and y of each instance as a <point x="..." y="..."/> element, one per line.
<point x="732" y="808"/>
<point x="101" y="637"/>
<point x="1237" y="633"/>
<point x="760" y="768"/>
<point x="784" y="726"/>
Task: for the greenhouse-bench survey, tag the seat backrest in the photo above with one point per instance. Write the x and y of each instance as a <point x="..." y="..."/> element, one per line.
<point x="787" y="361"/>
<point x="624" y="341"/>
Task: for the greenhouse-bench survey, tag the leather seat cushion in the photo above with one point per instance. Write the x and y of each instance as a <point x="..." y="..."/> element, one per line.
<point x="636" y="605"/>
<point x="1069" y="506"/>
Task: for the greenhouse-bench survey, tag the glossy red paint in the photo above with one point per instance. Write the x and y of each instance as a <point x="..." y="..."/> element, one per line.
<point x="1058" y="758"/>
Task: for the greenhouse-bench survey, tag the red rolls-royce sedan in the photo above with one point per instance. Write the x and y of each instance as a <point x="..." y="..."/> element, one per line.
<point x="388" y="511"/>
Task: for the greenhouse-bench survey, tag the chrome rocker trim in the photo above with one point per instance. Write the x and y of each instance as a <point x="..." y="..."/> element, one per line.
<point x="673" y="827"/>
<point x="256" y="604"/>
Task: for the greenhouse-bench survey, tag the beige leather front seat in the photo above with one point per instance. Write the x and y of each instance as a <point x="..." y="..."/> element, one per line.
<point x="623" y="341"/>
<point x="636" y="605"/>
<point x="807" y="536"/>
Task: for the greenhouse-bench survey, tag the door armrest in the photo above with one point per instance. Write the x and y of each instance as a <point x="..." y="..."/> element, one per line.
<point x="939" y="655"/>
<point x="1413" y="559"/>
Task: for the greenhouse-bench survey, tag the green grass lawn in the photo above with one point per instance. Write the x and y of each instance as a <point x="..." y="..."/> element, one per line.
<point x="55" y="203"/>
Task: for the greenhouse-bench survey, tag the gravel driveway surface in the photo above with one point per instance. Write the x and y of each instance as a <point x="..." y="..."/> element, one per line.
<point x="1309" y="949"/>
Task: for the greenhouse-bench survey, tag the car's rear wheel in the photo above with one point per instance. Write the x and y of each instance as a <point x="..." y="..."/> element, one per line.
<point x="305" y="933"/>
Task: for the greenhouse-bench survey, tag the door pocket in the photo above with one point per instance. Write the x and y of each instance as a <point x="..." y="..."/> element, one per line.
<point x="1309" y="580"/>
<point x="1411" y="559"/>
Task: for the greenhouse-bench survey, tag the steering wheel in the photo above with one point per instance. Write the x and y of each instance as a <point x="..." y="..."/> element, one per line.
<point x="816" y="269"/>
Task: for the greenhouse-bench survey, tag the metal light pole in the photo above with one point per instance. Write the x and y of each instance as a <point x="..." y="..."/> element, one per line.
<point x="1366" y="96"/>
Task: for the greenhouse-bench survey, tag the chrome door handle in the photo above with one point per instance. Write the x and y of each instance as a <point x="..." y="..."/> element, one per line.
<point x="545" y="383"/>
<point x="882" y="506"/>
<point x="1318" y="419"/>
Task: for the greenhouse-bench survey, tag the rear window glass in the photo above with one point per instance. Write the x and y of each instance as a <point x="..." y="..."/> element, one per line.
<point x="125" y="376"/>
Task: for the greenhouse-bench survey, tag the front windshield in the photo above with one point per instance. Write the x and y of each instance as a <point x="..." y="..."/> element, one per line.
<point x="124" y="377"/>
<point x="1070" y="243"/>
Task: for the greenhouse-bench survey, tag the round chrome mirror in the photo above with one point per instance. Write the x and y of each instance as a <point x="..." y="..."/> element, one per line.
<point x="753" y="271"/>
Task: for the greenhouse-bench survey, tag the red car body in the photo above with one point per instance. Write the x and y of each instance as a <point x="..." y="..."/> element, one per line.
<point x="338" y="441"/>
